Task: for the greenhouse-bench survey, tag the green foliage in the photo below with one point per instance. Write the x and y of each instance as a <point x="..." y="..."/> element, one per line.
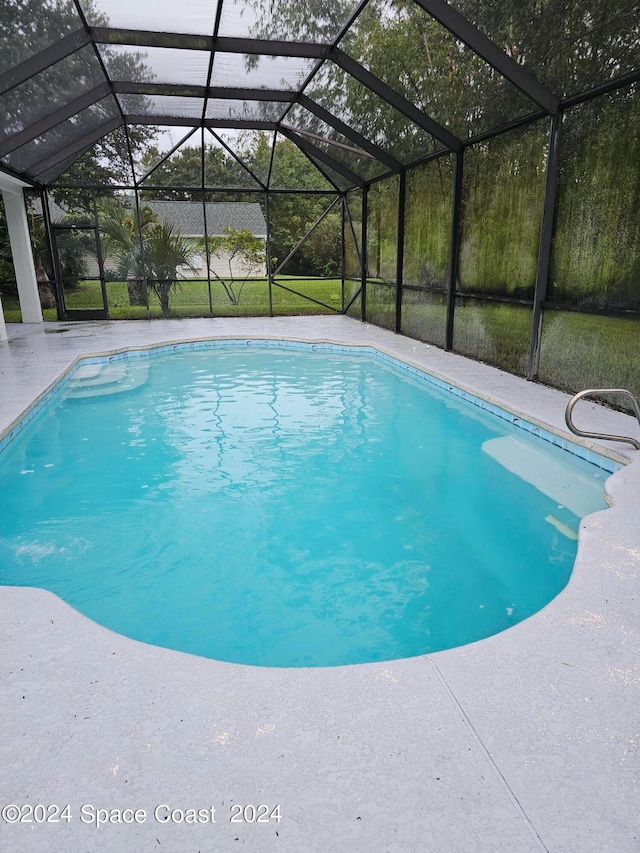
<point x="494" y="332"/>
<point x="184" y="169"/>
<point x="322" y="250"/>
<point x="165" y="249"/>
<point x="382" y="230"/>
<point x="291" y="170"/>
<point x="503" y="194"/>
<point x="142" y="248"/>
<point x="240" y="249"/>
<point x="596" y="257"/>
<point x="292" y="216"/>
<point x="588" y="351"/>
<point x="121" y="229"/>
<point x="424" y="316"/>
<point x="192" y="300"/>
<point x="569" y="45"/>
<point x="316" y="20"/>
<point x="27" y="27"/>
<point x="428" y="224"/>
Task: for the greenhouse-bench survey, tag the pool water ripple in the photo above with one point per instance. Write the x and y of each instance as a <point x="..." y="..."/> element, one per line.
<point x="287" y="508"/>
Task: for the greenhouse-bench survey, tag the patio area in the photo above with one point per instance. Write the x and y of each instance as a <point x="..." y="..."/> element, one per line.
<point x="526" y="741"/>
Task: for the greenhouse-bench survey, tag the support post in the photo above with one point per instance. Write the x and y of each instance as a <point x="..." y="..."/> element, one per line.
<point x="143" y="263"/>
<point x="363" y="280"/>
<point x="61" y="309"/>
<point x="544" y="249"/>
<point x="3" y="328"/>
<point x="402" y="195"/>
<point x="454" y="248"/>
<point x="343" y="256"/>
<point x="268" y="247"/>
<point x="205" y="231"/>
<point x="23" y="264"/>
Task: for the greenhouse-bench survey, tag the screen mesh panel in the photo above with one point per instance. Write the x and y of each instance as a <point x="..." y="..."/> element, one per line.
<point x="187" y="16"/>
<point x="156" y="64"/>
<point x="71" y="77"/>
<point x="415" y="55"/>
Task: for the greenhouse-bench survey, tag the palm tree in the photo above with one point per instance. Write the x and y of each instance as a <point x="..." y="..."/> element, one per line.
<point x="121" y="228"/>
<point x="165" y="249"/>
<point x="144" y="251"/>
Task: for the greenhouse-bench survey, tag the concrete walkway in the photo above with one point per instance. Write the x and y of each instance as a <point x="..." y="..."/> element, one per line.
<point x="523" y="742"/>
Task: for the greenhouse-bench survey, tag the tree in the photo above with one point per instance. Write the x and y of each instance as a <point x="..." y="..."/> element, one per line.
<point x="314" y="21"/>
<point x="143" y="250"/>
<point x="184" y="170"/>
<point x="26" y="28"/>
<point x="165" y="249"/>
<point x="239" y="248"/>
<point x="122" y="228"/>
<point x="293" y="215"/>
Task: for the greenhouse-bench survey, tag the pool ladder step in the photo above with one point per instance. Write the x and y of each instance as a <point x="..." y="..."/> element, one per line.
<point x="590" y="392"/>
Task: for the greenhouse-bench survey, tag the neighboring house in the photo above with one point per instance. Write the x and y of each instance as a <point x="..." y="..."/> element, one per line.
<point x="188" y="219"/>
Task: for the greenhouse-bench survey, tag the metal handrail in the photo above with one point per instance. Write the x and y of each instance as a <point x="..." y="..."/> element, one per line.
<point x="589" y="392"/>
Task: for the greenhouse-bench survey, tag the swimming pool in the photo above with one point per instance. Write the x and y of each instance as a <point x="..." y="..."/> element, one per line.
<point x="288" y="508"/>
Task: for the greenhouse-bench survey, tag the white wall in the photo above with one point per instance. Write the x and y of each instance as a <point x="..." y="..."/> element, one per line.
<point x="3" y="328"/>
<point x="220" y="267"/>
<point x="21" y="251"/>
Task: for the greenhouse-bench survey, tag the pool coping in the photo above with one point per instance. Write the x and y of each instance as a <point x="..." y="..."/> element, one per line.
<point x="532" y="729"/>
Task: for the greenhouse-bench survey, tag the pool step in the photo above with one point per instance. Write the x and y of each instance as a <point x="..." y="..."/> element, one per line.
<point x="557" y="478"/>
<point x="100" y="380"/>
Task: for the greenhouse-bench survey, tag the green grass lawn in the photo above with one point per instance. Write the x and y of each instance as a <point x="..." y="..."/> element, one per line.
<point x="191" y="299"/>
<point x="588" y="351"/>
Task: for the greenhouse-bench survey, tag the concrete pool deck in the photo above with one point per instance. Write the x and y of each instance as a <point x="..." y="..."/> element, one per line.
<point x="526" y="741"/>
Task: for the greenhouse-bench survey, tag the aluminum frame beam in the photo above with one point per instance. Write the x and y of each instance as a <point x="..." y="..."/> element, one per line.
<point x="601" y="89"/>
<point x="223" y="44"/>
<point x="184" y="121"/>
<point x="337" y="167"/>
<point x="402" y="204"/>
<point x="545" y="245"/>
<point x="78" y="147"/>
<point x="454" y="248"/>
<point x="50" y="121"/>
<point x="463" y="29"/>
<point x="54" y="172"/>
<point x="348" y="132"/>
<point x="122" y="87"/>
<point x="40" y="61"/>
<point x="394" y="99"/>
<point x="316" y="137"/>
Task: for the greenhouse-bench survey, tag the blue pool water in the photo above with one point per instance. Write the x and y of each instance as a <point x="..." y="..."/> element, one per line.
<point x="287" y="508"/>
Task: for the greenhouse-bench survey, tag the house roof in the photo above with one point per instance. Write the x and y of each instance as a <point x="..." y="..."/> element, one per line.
<point x="187" y="217"/>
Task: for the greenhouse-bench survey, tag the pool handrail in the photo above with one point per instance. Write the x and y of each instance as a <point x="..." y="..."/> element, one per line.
<point x="590" y="392"/>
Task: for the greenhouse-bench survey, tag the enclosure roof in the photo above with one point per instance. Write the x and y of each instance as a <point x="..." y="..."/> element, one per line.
<point x="388" y="82"/>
